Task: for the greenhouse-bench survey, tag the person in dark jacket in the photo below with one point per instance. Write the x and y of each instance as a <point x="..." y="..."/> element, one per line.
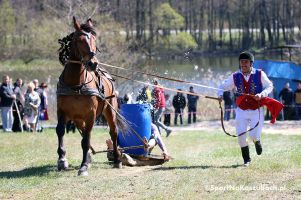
<point x="287" y="97"/>
<point x="228" y="102"/>
<point x="7" y="100"/>
<point x="179" y="103"/>
<point x="298" y="101"/>
<point x="192" y="105"/>
<point x="18" y="106"/>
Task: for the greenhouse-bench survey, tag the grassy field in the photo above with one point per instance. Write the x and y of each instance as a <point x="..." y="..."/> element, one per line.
<point x="206" y="165"/>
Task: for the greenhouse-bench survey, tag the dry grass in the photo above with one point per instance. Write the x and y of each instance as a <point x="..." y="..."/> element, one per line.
<point x="206" y="165"/>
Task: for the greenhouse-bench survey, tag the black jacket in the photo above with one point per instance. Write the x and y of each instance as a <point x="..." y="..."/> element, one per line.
<point x="287" y="96"/>
<point x="6" y="93"/>
<point x="179" y="101"/>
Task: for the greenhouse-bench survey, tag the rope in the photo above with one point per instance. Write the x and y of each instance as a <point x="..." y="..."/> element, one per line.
<point x="165" y="88"/>
<point x="120" y="149"/>
<point x="163" y="77"/>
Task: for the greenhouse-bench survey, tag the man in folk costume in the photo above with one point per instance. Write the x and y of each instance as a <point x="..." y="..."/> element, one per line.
<point x="252" y="86"/>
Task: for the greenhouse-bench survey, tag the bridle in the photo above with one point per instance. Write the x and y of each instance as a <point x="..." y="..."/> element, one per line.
<point x="69" y="43"/>
<point x="88" y="37"/>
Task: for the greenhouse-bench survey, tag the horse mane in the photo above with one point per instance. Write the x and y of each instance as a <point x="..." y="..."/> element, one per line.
<point x="64" y="50"/>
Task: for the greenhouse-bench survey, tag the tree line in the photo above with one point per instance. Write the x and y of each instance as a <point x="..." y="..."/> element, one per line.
<point x="29" y="29"/>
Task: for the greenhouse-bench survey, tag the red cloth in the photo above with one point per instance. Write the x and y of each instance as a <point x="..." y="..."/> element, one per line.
<point x="273" y="106"/>
<point x="248" y="102"/>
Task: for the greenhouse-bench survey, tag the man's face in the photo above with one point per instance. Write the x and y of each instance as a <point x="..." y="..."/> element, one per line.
<point x="245" y="66"/>
<point x="20" y="82"/>
<point x="5" y="79"/>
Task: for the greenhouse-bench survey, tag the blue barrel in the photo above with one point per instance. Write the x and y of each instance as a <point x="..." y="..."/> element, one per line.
<point x="139" y="118"/>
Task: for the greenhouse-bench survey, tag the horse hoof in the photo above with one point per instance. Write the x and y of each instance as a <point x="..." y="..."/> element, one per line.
<point x="83" y="173"/>
<point x="118" y="165"/>
<point x="62" y="164"/>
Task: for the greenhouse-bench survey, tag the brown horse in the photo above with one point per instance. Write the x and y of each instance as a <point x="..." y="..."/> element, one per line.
<point x="83" y="94"/>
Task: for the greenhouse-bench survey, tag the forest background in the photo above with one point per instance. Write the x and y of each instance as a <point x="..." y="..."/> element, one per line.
<point x="130" y="29"/>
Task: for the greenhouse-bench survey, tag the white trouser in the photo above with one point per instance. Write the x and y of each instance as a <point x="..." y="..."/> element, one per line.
<point x="246" y="119"/>
<point x="7" y="118"/>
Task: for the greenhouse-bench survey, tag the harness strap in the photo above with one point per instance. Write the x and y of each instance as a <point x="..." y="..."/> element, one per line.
<point x="110" y="97"/>
<point x="75" y="61"/>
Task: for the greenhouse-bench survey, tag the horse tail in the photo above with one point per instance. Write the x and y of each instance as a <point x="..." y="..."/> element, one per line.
<point x="122" y="124"/>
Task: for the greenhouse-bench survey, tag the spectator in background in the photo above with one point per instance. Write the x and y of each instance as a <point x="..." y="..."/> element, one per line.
<point x="168" y="110"/>
<point x="159" y="107"/>
<point x="192" y="105"/>
<point x="18" y="111"/>
<point x="43" y="112"/>
<point x="127" y="99"/>
<point x="286" y="96"/>
<point x="298" y="101"/>
<point x="228" y="102"/>
<point x="18" y="90"/>
<point x="7" y="100"/>
<point x="144" y="95"/>
<point x="179" y="103"/>
<point x="31" y="107"/>
<point x="36" y="84"/>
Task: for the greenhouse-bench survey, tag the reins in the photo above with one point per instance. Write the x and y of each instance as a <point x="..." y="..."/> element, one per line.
<point x="200" y="95"/>
<point x="159" y="76"/>
<point x="174" y="90"/>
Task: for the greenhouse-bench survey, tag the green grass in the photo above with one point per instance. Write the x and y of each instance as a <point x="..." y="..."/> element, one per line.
<point x="36" y="64"/>
<point x="206" y="165"/>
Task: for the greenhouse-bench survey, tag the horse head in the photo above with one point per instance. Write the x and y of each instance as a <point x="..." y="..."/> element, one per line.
<point x="84" y="44"/>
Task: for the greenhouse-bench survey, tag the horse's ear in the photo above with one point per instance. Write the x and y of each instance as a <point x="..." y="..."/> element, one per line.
<point x="89" y="22"/>
<point x="76" y="24"/>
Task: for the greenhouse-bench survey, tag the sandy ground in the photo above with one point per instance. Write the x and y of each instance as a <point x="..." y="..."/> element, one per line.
<point x="280" y="127"/>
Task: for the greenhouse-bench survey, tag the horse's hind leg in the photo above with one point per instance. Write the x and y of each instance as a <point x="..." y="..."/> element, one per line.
<point x="110" y="117"/>
<point x="62" y="162"/>
<point x="117" y="155"/>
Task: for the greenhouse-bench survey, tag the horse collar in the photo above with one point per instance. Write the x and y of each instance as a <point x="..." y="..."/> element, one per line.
<point x="74" y="61"/>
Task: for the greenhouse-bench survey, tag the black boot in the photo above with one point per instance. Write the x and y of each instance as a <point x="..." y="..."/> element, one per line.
<point x="258" y="147"/>
<point x="246" y="155"/>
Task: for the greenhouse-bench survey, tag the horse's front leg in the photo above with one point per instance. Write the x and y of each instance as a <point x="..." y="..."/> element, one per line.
<point x="62" y="163"/>
<point x="83" y="171"/>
